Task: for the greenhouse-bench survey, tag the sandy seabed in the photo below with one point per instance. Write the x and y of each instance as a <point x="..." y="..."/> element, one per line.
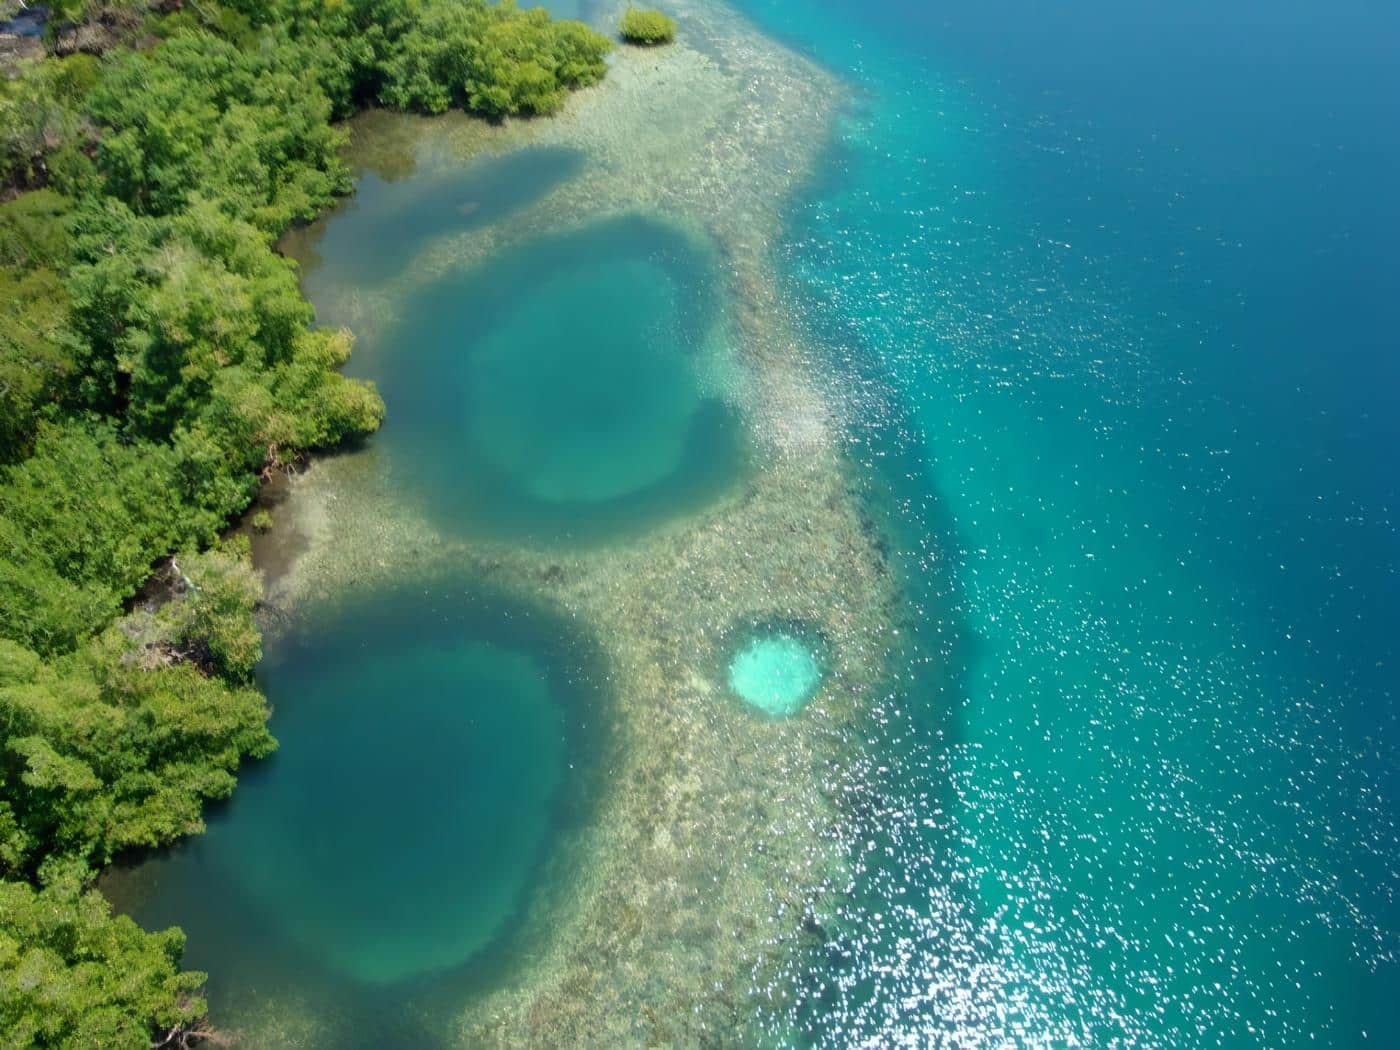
<point x="679" y="908"/>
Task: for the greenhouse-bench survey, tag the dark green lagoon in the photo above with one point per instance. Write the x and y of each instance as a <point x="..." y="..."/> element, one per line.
<point x="435" y="747"/>
<point x="567" y="389"/>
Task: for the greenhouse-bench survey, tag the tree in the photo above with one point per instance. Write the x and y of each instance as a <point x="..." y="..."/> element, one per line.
<point x="641" y="26"/>
<point x="211" y="620"/>
<point x="72" y="975"/>
<point x="493" y="59"/>
<point x="118" y="746"/>
<point x="80" y="530"/>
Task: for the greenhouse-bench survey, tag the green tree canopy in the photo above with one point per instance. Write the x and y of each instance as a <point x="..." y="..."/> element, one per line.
<point x="493" y="59"/>
<point x="646" y="26"/>
<point x="75" y="977"/>
<point x="117" y="746"/>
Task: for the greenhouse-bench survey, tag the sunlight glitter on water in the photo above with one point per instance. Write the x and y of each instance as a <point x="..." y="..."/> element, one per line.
<point x="1117" y="796"/>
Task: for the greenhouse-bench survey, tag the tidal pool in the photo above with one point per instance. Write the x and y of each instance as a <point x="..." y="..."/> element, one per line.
<point x="559" y="392"/>
<point x="775" y="670"/>
<point x="435" y="746"/>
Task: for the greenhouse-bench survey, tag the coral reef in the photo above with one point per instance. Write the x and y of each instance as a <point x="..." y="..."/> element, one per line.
<point x="716" y="833"/>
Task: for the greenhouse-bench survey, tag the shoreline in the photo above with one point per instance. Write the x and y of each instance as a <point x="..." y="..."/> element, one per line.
<point x="685" y="841"/>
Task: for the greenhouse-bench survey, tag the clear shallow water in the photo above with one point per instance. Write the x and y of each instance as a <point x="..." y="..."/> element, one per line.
<point x="395" y="215"/>
<point x="436" y="743"/>
<point x="1120" y="283"/>
<point x="555" y="393"/>
<point x="775" y="672"/>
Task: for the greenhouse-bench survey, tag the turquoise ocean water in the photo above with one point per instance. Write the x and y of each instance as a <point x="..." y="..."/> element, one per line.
<point x="1118" y="285"/>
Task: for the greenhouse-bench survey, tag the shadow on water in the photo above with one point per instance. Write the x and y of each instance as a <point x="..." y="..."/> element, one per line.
<point x="26" y="23"/>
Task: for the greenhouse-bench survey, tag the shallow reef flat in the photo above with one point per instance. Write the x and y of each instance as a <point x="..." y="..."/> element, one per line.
<point x="717" y="834"/>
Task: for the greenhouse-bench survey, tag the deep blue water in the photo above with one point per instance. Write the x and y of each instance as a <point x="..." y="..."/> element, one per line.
<point x="1125" y="278"/>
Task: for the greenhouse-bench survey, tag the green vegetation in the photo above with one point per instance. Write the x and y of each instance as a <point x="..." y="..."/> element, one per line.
<point x="117" y="745"/>
<point x="72" y="975"/>
<point x="646" y="26"/>
<point x="156" y="359"/>
<point x="493" y="60"/>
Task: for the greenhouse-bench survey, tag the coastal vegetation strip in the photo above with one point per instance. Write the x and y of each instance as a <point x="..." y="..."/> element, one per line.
<point x="156" y="359"/>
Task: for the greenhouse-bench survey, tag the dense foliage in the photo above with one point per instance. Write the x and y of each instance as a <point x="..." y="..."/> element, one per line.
<point x="74" y="976"/>
<point x="645" y="26"/>
<point x="156" y="359"/>
<point x="117" y="745"/>
<point x="494" y="60"/>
